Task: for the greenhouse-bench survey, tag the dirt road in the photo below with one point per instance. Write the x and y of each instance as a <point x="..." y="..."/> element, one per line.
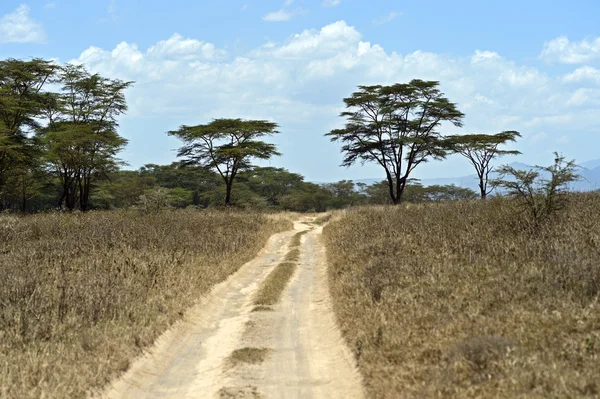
<point x="304" y="353"/>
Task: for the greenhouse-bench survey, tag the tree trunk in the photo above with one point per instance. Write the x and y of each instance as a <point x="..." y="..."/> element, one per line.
<point x="62" y="197"/>
<point x="84" y="193"/>
<point x="482" y="189"/>
<point x="71" y="197"/>
<point x="400" y="186"/>
<point x="390" y="180"/>
<point x="228" y="184"/>
<point x="24" y="198"/>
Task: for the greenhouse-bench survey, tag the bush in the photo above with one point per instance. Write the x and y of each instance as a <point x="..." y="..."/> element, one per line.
<point x="542" y="197"/>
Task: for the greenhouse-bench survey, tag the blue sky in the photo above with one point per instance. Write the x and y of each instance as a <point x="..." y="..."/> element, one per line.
<point x="530" y="66"/>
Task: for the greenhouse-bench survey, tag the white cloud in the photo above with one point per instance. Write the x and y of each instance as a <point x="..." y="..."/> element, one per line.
<point x="387" y="18"/>
<point x="18" y="27"/>
<point x="179" y="47"/>
<point x="283" y="15"/>
<point x="300" y="83"/>
<point x="326" y="42"/>
<point x="485" y="56"/>
<point x="583" y="74"/>
<point x="564" y="51"/>
<point x="331" y="3"/>
<point x="278" y="16"/>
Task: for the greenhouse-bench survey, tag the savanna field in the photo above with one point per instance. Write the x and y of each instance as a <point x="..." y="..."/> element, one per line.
<point x="82" y="294"/>
<point x="469" y="299"/>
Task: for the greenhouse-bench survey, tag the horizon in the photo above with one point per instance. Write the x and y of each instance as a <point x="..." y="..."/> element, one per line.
<point x="293" y="62"/>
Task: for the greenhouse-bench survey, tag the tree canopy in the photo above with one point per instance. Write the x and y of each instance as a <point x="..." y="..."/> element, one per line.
<point x="81" y="139"/>
<point x="226" y="145"/>
<point x="396" y="127"/>
<point x="480" y="150"/>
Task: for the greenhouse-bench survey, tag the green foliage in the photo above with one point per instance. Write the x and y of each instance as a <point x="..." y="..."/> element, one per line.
<point x="81" y="140"/>
<point x="226" y="145"/>
<point x="396" y="127"/>
<point x="309" y="197"/>
<point x="377" y="194"/>
<point x="438" y="193"/>
<point x="21" y="101"/>
<point x="541" y="196"/>
<point x="480" y="150"/>
<point x="271" y="183"/>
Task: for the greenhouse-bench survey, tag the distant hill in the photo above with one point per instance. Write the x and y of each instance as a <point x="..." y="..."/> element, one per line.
<point x="589" y="171"/>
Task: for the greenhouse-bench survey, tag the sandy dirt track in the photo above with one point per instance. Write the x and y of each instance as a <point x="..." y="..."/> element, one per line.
<point x="306" y="356"/>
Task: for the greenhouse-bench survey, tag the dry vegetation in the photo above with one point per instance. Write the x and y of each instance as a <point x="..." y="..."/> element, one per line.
<point x="248" y="355"/>
<point x="271" y="289"/>
<point x="82" y="294"/>
<point x="466" y="300"/>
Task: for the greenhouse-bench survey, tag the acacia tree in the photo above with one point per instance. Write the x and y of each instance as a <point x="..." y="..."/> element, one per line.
<point x="396" y="127"/>
<point x="480" y="150"/>
<point x="81" y="139"/>
<point x="21" y="100"/>
<point x="226" y="145"/>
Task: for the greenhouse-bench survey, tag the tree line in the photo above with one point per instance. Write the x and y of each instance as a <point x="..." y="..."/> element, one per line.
<point x="59" y="145"/>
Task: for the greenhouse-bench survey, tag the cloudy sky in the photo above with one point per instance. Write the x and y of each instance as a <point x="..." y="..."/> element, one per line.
<point x="531" y="66"/>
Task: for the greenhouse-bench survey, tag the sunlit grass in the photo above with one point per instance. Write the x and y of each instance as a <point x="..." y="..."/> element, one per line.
<point x="464" y="300"/>
<point x="82" y="294"/>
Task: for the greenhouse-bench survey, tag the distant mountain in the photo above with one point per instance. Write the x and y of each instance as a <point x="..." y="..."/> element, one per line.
<point x="589" y="171"/>
<point x="591" y="164"/>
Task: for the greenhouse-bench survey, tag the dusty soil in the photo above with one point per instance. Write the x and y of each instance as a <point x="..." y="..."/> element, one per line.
<point x="302" y="354"/>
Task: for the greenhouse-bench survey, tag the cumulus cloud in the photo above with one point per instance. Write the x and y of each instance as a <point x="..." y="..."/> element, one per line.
<point x="300" y="83"/>
<point x="18" y="27"/>
<point x="564" y="51"/>
<point x="583" y="75"/>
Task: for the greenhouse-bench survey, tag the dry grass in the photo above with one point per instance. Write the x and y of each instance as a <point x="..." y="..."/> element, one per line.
<point x="262" y="308"/>
<point x="295" y="241"/>
<point x="463" y="300"/>
<point x="321" y="220"/>
<point x="271" y="289"/>
<point x="248" y="392"/>
<point x="248" y="355"/>
<point x="82" y="294"/>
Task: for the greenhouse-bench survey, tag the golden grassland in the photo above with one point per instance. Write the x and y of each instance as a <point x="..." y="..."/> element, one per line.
<point x="82" y="294"/>
<point x="466" y="300"/>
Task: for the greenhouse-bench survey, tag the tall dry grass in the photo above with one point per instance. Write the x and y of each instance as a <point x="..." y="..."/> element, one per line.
<point x="464" y="300"/>
<point x="82" y="294"/>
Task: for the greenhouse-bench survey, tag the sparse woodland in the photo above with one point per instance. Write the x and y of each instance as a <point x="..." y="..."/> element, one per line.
<point x="439" y="292"/>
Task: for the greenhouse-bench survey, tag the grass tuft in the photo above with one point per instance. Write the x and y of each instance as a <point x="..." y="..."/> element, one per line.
<point x="295" y="241"/>
<point x="273" y="286"/>
<point x="271" y="289"/>
<point x="320" y="221"/>
<point x="248" y="355"/>
<point x="292" y="256"/>
<point x="248" y="392"/>
<point x="262" y="308"/>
